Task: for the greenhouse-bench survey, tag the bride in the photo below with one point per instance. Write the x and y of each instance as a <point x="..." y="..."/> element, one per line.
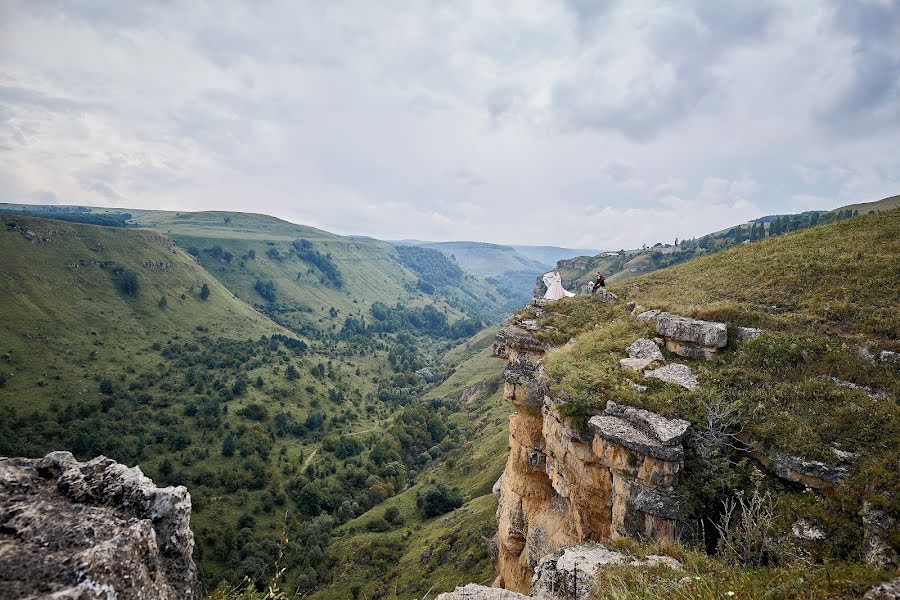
<point x="555" y="290"/>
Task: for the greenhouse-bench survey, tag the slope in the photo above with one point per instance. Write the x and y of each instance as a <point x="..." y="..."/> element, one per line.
<point x="418" y="555"/>
<point x="813" y="386"/>
<point x="486" y="260"/>
<point x="622" y="265"/>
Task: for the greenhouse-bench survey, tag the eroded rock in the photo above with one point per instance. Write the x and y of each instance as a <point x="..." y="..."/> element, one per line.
<point x="473" y="591"/>
<point x="889" y="590"/>
<point x="569" y="573"/>
<point x="92" y="530"/>
<point x="748" y="333"/>
<point x="691" y="338"/>
<point x="644" y="348"/>
<point x="681" y="375"/>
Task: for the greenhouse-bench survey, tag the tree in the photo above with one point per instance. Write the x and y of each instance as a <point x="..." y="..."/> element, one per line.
<point x="291" y="374"/>
<point x="128" y="283"/>
<point x="106" y="387"/>
<point x="204" y="292"/>
<point x="437" y="499"/>
<point x="163" y="302"/>
<point x="228" y="445"/>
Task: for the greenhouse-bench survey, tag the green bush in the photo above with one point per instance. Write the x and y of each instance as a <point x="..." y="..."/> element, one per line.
<point x="437" y="499"/>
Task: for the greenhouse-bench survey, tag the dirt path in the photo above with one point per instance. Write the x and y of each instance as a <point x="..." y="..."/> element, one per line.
<point x="309" y="459"/>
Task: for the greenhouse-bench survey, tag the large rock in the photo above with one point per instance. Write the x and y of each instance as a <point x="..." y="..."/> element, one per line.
<point x="644" y="348"/>
<point x="92" y="530"/>
<point x="889" y="590"/>
<point x="691" y="338"/>
<point x="695" y="331"/>
<point x="681" y="375"/>
<point x="473" y="591"/>
<point x="570" y="573"/>
<point x="878" y="526"/>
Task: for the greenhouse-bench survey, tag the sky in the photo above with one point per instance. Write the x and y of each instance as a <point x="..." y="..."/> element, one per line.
<point x="575" y="123"/>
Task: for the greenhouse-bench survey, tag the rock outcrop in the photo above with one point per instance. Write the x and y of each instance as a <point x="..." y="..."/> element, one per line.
<point x="92" y="530"/>
<point x="473" y="591"/>
<point x="570" y="573"/>
<point x="691" y="338"/>
<point x="561" y="485"/>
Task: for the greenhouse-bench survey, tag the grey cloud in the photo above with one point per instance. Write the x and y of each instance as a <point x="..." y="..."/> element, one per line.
<point x="870" y="98"/>
<point x="679" y="78"/>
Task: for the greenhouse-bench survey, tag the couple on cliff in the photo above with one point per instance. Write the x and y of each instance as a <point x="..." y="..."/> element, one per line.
<point x="555" y="289"/>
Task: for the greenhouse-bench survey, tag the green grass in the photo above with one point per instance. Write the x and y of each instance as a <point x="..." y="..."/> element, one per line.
<point x="455" y="545"/>
<point x="819" y="295"/>
<point x="704" y="577"/>
<point x="841" y="278"/>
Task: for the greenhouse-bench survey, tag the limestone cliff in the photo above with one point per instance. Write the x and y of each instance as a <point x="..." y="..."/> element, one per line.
<point x="90" y="530"/>
<point x="561" y="485"/>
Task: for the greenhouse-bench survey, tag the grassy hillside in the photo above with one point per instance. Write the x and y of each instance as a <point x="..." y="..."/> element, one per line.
<point x="435" y="554"/>
<point x="273" y="433"/>
<point x="878" y="206"/>
<point x="825" y="298"/>
<point x="624" y="265"/>
<point x="63" y="304"/>
<point x="486" y="260"/>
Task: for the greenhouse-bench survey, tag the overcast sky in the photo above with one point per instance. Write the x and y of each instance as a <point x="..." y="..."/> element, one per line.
<point x="578" y="123"/>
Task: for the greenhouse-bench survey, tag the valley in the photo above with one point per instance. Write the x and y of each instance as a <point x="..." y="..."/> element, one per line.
<point x="325" y="390"/>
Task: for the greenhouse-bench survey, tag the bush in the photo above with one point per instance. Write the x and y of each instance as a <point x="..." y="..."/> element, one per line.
<point x="128" y="283"/>
<point x="106" y="386"/>
<point x="437" y="499"/>
<point x="748" y="533"/>
<point x="204" y="292"/>
<point x="254" y="412"/>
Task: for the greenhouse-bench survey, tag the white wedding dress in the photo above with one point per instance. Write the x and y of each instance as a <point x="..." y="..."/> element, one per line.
<point x="555" y="290"/>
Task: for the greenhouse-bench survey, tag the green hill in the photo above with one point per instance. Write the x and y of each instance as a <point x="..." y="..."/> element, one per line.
<point x="622" y="265"/>
<point x="272" y="432"/>
<point x="826" y="300"/>
<point x="486" y="260"/>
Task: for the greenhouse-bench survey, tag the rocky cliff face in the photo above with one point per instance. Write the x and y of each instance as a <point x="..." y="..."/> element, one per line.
<point x="92" y="530"/>
<point x="561" y="485"/>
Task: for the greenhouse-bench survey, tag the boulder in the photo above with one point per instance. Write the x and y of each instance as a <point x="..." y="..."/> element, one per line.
<point x="670" y="432"/>
<point x="681" y="375"/>
<point x="569" y="573"/>
<point x="604" y="295"/>
<point x="635" y="364"/>
<point x="888" y="356"/>
<point x="473" y="591"/>
<point x="709" y="334"/>
<point x="691" y="338"/>
<point x="624" y="433"/>
<point x="648" y="315"/>
<point x="644" y="348"/>
<point x="877" y="528"/>
<point x="748" y="333"/>
<point x="92" y="530"/>
<point x="889" y="590"/>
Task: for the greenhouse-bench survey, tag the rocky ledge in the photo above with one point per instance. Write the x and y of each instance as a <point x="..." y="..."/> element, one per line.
<point x="565" y="486"/>
<point x="92" y="530"/>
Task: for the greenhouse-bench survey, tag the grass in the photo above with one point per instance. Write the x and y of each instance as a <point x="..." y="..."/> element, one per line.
<point x="840" y="278"/>
<point x="703" y="577"/>
<point x="819" y="295"/>
<point x="441" y="553"/>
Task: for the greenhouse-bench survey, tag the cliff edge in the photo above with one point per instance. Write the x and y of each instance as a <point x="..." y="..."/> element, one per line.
<point x="96" y="529"/>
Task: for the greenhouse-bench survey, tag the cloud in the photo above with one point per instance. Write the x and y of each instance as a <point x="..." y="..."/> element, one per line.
<point x="592" y="124"/>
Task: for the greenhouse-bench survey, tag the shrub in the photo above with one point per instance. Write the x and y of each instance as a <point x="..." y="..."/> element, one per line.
<point x="437" y="499"/>
<point x="748" y="533"/>
<point x="128" y="283"/>
<point x="254" y="412"/>
<point x="204" y="292"/>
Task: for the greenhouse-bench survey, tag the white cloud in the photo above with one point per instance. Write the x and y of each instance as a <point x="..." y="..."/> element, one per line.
<point x="594" y="125"/>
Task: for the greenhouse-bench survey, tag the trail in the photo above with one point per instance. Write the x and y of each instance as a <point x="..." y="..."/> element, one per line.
<point x="309" y="458"/>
